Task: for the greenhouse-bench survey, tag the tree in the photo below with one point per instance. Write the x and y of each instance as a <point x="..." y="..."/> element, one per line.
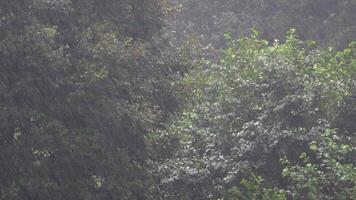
<point x="79" y="90"/>
<point x="260" y="103"/>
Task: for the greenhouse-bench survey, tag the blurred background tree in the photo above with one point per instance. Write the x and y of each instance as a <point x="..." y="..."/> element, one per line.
<point x="81" y="83"/>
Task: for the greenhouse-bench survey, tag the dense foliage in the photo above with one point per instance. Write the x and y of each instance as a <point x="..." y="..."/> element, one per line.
<point x="259" y="105"/>
<point x="81" y="82"/>
<point x="112" y="99"/>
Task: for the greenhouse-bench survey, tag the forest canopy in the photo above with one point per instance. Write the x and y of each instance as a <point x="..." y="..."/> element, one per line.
<point x="266" y="122"/>
<point x="177" y="99"/>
